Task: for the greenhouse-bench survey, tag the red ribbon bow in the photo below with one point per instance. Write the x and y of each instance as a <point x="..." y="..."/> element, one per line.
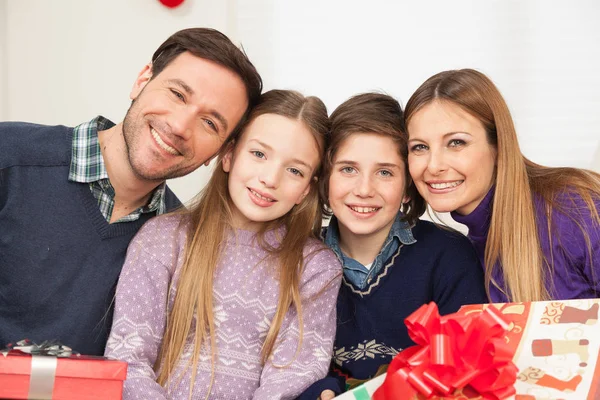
<point x="451" y="352"/>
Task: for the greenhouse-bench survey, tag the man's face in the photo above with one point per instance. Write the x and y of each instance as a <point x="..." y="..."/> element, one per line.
<point x="179" y="119"/>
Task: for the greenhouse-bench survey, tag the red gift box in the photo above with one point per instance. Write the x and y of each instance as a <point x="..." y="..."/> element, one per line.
<point x="25" y="376"/>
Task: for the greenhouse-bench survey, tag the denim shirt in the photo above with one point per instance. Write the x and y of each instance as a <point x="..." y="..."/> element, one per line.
<point x="359" y="275"/>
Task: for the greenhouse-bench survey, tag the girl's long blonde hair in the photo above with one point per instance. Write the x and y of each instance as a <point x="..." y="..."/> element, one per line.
<point x="209" y="222"/>
<point x="513" y="238"/>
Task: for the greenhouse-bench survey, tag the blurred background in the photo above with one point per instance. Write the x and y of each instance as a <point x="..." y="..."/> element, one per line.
<point x="66" y="61"/>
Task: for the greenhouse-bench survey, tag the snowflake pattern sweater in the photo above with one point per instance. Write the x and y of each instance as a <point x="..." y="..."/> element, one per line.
<point x="245" y="301"/>
<point x="440" y="266"/>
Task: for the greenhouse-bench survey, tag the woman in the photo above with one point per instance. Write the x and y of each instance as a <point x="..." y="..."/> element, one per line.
<point x="536" y="228"/>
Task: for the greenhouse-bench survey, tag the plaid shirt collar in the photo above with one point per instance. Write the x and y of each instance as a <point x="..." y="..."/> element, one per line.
<point x="87" y="163"/>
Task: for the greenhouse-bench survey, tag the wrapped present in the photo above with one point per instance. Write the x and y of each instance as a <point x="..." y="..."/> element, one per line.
<point x="451" y="353"/>
<point x="364" y="391"/>
<point x="555" y="346"/>
<point x="53" y="371"/>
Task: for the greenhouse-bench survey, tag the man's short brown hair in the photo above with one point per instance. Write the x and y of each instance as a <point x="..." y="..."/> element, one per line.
<point x="212" y="45"/>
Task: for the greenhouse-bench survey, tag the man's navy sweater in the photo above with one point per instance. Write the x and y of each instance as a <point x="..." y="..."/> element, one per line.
<point x="442" y="266"/>
<point x="59" y="257"/>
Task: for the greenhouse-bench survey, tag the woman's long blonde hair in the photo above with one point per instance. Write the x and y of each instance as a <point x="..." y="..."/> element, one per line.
<point x="513" y="236"/>
<point x="209" y="222"/>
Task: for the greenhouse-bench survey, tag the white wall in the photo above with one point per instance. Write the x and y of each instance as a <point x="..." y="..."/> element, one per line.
<point x="596" y="160"/>
<point x="544" y="56"/>
<point x="67" y="61"/>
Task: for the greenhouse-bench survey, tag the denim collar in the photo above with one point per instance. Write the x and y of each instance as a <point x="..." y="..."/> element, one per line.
<point x="358" y="274"/>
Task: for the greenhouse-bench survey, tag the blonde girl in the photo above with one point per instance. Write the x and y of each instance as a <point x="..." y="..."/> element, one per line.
<point x="235" y="298"/>
<point x="536" y="228"/>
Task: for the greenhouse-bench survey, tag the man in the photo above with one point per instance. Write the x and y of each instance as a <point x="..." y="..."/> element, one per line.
<point x="71" y="199"/>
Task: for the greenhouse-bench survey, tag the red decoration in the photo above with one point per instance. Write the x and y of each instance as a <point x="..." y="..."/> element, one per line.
<point x="171" y="3"/>
<point x="452" y="352"/>
<point x="73" y="378"/>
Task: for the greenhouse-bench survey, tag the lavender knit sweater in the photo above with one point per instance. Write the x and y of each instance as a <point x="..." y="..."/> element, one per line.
<point x="245" y="300"/>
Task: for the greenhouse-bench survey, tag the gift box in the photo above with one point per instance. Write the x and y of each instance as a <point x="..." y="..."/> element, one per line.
<point x="44" y="376"/>
<point x="364" y="391"/>
<point x="554" y="348"/>
<point x="451" y="352"/>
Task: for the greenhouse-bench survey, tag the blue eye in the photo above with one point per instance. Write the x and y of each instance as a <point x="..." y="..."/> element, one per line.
<point x="386" y="173"/>
<point x="258" y="154"/>
<point x="347" y="170"/>
<point x="296" y="172"/>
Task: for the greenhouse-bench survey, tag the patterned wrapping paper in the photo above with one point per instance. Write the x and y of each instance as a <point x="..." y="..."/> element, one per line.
<point x="364" y="391"/>
<point x="556" y="347"/>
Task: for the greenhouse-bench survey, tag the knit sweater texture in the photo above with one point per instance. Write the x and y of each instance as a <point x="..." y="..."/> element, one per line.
<point x="245" y="296"/>
<point x="59" y="258"/>
<point x="441" y="266"/>
<point x="575" y="266"/>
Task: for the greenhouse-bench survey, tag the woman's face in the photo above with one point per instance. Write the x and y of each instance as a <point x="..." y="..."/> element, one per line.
<point x="449" y="157"/>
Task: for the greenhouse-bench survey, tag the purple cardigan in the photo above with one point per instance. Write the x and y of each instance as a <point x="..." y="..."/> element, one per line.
<point x="576" y="272"/>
